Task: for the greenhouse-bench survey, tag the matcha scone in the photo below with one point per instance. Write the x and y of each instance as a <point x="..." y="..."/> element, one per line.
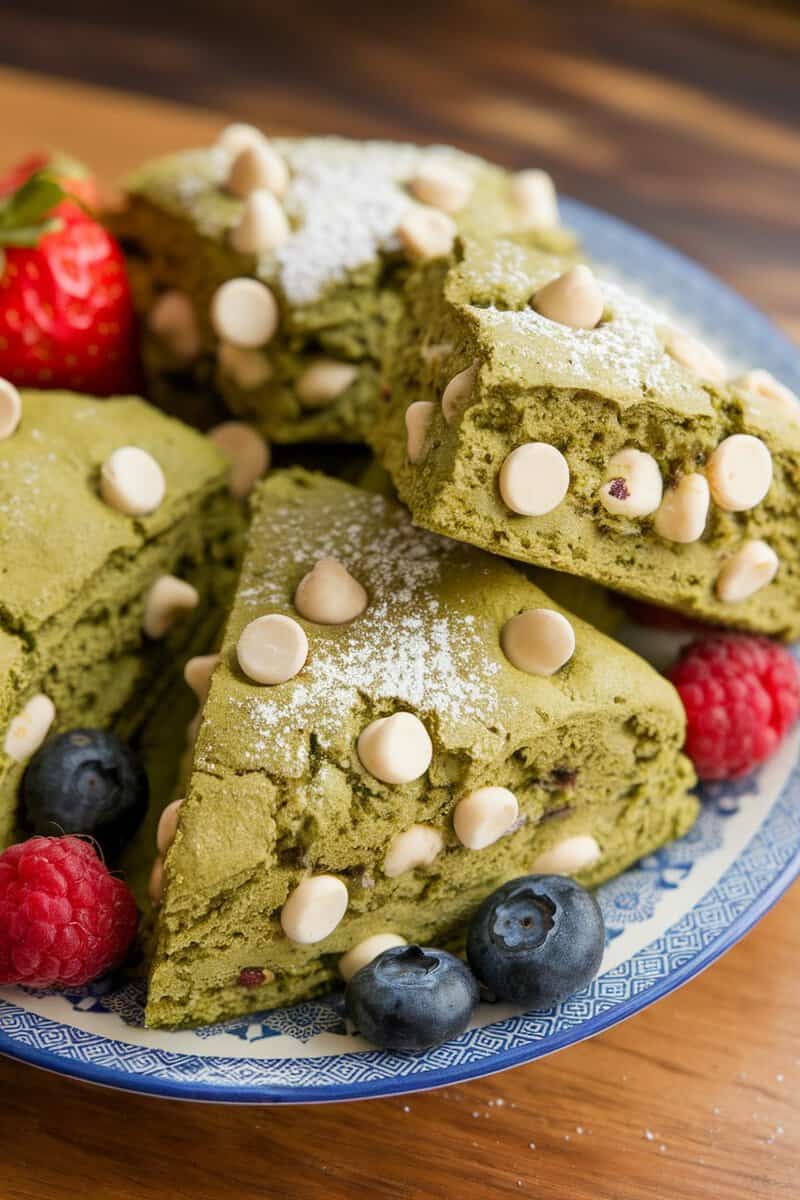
<point x="397" y="724"/>
<point x="585" y="599"/>
<point x="164" y="743"/>
<point x="118" y="539"/>
<point x="570" y="427"/>
<point x="267" y="272"/>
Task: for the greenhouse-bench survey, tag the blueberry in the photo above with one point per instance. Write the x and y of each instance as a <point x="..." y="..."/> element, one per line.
<point x="412" y="998"/>
<point x="536" y="940"/>
<point x="86" y="781"/>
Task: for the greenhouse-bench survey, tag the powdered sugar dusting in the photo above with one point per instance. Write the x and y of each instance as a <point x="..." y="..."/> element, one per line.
<point x="626" y="348"/>
<point x="666" y="313"/>
<point x="344" y="200"/>
<point x="410" y="650"/>
<point x="23" y="492"/>
<point x="627" y="343"/>
<point x="507" y="269"/>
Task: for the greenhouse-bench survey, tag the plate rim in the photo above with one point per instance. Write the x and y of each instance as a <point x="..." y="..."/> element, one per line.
<point x="442" y="1077"/>
<point x="684" y="261"/>
<point x="263" y="1094"/>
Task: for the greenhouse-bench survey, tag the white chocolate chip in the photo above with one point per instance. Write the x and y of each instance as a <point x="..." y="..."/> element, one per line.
<point x="534" y="479"/>
<point x="418" y="846"/>
<point x="155" y="887"/>
<point x="257" y="166"/>
<point x="363" y="954"/>
<point x="569" y="857"/>
<point x="314" y="909"/>
<point x="168" y="599"/>
<point x="173" y="321"/>
<point x="483" y="816"/>
<point x="539" y="641"/>
<point x="272" y="649"/>
<point x="249" y="369"/>
<point x="442" y="185"/>
<point x="167" y="827"/>
<point x="418" y="421"/>
<point x="395" y="749"/>
<point x="739" y="472"/>
<point x="324" y="381"/>
<point x="751" y="568"/>
<point x="198" y="672"/>
<point x="10" y="409"/>
<point x="533" y="195"/>
<point x="244" y="312"/>
<point x="426" y="233"/>
<point x="132" y="481"/>
<point x="693" y="355"/>
<point x="29" y="728"/>
<point x="248" y="453"/>
<point x="681" y="516"/>
<point x="573" y="299"/>
<point x="238" y="136"/>
<point x="766" y="393"/>
<point x="456" y="395"/>
<point x="634" y="487"/>
<point x="262" y="226"/>
<point x="329" y="595"/>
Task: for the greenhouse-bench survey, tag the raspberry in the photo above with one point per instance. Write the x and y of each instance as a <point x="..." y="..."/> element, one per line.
<point x="741" y="695"/>
<point x="64" y="920"/>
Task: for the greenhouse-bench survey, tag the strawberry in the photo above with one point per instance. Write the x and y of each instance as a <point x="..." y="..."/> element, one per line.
<point x="66" y="317"/>
<point x="71" y="174"/>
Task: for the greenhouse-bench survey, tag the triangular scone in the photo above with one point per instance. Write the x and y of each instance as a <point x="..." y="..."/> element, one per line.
<point x="96" y="603"/>
<point x="318" y="263"/>
<point x="285" y="826"/>
<point x="618" y="453"/>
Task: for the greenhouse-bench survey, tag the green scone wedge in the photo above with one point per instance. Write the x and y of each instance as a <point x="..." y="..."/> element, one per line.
<point x="268" y="271"/>
<point x="118" y="541"/>
<point x="435" y="725"/>
<point x="573" y="428"/>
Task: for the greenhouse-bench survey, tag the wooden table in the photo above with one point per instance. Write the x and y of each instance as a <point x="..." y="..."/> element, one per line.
<point x="699" y="1096"/>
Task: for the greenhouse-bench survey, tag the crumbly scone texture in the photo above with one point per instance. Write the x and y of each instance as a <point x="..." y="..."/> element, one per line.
<point x="337" y="278"/>
<point x="164" y="745"/>
<point x="589" y="393"/>
<point x="585" y="599"/>
<point x="278" y="791"/>
<point x="74" y="572"/>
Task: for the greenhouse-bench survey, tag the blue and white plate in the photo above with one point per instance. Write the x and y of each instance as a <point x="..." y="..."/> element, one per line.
<point x="668" y="917"/>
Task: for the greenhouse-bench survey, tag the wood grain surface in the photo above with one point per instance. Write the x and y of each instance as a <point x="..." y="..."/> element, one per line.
<point x="684" y="118"/>
<point x="680" y="115"/>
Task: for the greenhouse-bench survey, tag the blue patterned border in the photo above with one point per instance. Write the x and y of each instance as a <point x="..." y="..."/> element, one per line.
<point x="744" y="892"/>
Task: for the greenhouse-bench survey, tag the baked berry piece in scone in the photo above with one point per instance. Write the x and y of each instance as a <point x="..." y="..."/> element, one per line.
<point x="118" y="541"/>
<point x="397" y="725"/>
<point x="267" y="271"/>
<point x="569" y="427"/>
